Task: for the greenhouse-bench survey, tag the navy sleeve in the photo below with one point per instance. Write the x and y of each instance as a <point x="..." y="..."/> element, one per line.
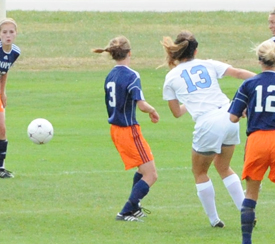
<point x="239" y="102"/>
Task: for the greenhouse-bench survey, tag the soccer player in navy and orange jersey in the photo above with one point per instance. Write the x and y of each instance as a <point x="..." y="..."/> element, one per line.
<point x="123" y="94"/>
<point x="9" y="53"/>
<point x="257" y="96"/>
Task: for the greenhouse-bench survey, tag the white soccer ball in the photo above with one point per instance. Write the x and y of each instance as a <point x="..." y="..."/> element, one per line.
<point x="40" y="131"/>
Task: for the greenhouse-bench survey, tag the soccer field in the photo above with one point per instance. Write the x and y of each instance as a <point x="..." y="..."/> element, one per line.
<point x="69" y="190"/>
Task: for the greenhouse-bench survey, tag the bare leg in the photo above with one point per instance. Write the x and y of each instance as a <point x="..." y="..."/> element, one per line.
<point x="205" y="189"/>
<point x="149" y="172"/>
<point x="141" y="188"/>
<point x="222" y="161"/>
<point x="230" y="178"/>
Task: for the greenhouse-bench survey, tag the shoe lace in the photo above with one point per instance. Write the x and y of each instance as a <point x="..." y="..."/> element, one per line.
<point x="145" y="210"/>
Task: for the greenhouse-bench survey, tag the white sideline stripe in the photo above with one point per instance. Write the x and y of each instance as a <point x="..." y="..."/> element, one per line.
<point x="155" y="207"/>
<point x="44" y="211"/>
<point x="119" y="171"/>
<point x="111" y="171"/>
<point x="114" y="171"/>
<point x="104" y="171"/>
<point x="183" y="206"/>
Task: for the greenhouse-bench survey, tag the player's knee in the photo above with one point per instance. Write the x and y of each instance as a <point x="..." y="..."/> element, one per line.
<point x="2" y="133"/>
<point x="155" y="176"/>
<point x="150" y="178"/>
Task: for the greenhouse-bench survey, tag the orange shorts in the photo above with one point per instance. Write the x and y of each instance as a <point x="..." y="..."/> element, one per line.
<point x="131" y="145"/>
<point x="260" y="155"/>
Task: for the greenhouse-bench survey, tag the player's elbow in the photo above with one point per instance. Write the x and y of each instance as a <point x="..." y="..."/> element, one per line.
<point x="142" y="105"/>
<point x="234" y="118"/>
<point x="177" y="115"/>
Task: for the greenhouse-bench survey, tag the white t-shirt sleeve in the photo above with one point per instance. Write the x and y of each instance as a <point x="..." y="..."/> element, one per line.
<point x="168" y="92"/>
<point x="220" y="67"/>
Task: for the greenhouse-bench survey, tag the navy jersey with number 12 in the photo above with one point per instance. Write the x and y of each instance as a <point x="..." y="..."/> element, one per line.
<point x="7" y="59"/>
<point x="122" y="91"/>
<point x="257" y="94"/>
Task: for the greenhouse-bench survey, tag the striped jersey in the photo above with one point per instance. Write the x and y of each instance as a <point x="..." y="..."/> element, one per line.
<point x="122" y="91"/>
<point x="257" y="94"/>
<point x="7" y="59"/>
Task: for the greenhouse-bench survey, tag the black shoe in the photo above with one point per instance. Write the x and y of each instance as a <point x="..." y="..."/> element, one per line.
<point x="6" y="174"/>
<point x="127" y="217"/>
<point x="219" y="224"/>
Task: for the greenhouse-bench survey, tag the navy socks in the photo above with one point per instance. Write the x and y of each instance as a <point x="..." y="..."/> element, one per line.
<point x="247" y="219"/>
<point x="139" y="191"/>
<point x="137" y="177"/>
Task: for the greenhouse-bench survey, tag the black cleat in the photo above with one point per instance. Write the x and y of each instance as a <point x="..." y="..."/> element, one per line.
<point x="127" y="217"/>
<point x="219" y="224"/>
<point x="5" y="174"/>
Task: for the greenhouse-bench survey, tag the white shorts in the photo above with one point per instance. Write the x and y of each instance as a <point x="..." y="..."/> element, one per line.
<point x="214" y="129"/>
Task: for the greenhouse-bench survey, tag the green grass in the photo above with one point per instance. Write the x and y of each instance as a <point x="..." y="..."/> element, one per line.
<point x="69" y="190"/>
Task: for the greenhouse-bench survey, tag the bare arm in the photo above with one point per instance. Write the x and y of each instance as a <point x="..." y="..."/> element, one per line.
<point x="3" y="81"/>
<point x="176" y="108"/>
<point x="147" y="108"/>
<point x="239" y="73"/>
<point x="234" y="118"/>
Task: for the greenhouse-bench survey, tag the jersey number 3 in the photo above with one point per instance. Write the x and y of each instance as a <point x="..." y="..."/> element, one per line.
<point x="192" y="85"/>
<point x="111" y="86"/>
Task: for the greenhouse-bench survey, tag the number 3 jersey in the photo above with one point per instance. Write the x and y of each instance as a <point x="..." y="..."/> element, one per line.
<point x="7" y="59"/>
<point x="195" y="84"/>
<point x="122" y="91"/>
<point x="257" y="94"/>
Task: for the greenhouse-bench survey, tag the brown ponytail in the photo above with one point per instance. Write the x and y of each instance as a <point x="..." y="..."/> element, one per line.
<point x="118" y="48"/>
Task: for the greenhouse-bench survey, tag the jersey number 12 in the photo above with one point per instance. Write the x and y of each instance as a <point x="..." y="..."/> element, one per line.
<point x="269" y="99"/>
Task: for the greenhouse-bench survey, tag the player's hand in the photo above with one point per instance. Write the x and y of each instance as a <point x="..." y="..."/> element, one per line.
<point x="244" y="113"/>
<point x="154" y="116"/>
<point x="4" y="100"/>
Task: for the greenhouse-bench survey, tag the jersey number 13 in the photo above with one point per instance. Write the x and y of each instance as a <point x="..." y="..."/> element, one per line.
<point x="204" y="82"/>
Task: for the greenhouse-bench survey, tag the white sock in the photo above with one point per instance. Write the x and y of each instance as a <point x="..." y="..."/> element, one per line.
<point x="206" y="194"/>
<point x="234" y="187"/>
